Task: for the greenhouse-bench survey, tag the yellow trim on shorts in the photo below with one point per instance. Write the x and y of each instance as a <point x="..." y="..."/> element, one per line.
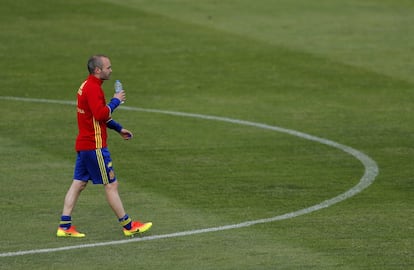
<point x="102" y="167"/>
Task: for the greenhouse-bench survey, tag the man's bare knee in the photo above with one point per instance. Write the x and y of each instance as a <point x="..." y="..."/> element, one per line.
<point x="112" y="186"/>
<point x="79" y="185"/>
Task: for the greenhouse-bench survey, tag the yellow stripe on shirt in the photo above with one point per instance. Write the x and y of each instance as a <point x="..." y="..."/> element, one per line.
<point x="98" y="134"/>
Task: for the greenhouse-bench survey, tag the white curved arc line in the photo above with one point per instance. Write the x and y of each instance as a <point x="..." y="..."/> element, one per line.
<point x="371" y="171"/>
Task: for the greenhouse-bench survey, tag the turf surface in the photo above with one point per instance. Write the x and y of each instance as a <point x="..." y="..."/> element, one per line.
<point x="340" y="71"/>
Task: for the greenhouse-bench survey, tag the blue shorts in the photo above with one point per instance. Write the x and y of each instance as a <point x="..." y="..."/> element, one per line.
<point x="94" y="165"/>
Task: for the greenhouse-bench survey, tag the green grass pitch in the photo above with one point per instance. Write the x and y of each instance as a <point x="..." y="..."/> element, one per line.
<point x="340" y="70"/>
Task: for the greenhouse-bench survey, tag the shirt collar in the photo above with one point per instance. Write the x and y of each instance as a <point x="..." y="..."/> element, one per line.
<point x="93" y="78"/>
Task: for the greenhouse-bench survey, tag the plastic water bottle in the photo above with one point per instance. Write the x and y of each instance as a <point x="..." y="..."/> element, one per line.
<point x="118" y="87"/>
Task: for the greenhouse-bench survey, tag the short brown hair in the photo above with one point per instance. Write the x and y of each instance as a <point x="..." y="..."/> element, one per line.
<point x="94" y="62"/>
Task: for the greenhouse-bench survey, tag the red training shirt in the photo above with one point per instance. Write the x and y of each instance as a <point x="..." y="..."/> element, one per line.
<point x="93" y="113"/>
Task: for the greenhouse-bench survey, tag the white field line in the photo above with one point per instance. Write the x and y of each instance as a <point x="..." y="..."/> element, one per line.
<point x="371" y="171"/>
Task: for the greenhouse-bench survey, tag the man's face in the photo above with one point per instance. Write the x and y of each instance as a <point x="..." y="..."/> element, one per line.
<point x="104" y="73"/>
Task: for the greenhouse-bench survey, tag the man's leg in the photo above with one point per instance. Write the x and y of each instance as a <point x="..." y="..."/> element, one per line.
<point x="65" y="228"/>
<point x="72" y="196"/>
<point x="114" y="200"/>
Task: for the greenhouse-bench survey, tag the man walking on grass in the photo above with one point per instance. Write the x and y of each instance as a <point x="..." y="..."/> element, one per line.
<point x="93" y="161"/>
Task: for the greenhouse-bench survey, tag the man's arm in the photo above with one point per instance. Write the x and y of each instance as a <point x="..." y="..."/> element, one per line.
<point x="101" y="111"/>
<point x="112" y="124"/>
